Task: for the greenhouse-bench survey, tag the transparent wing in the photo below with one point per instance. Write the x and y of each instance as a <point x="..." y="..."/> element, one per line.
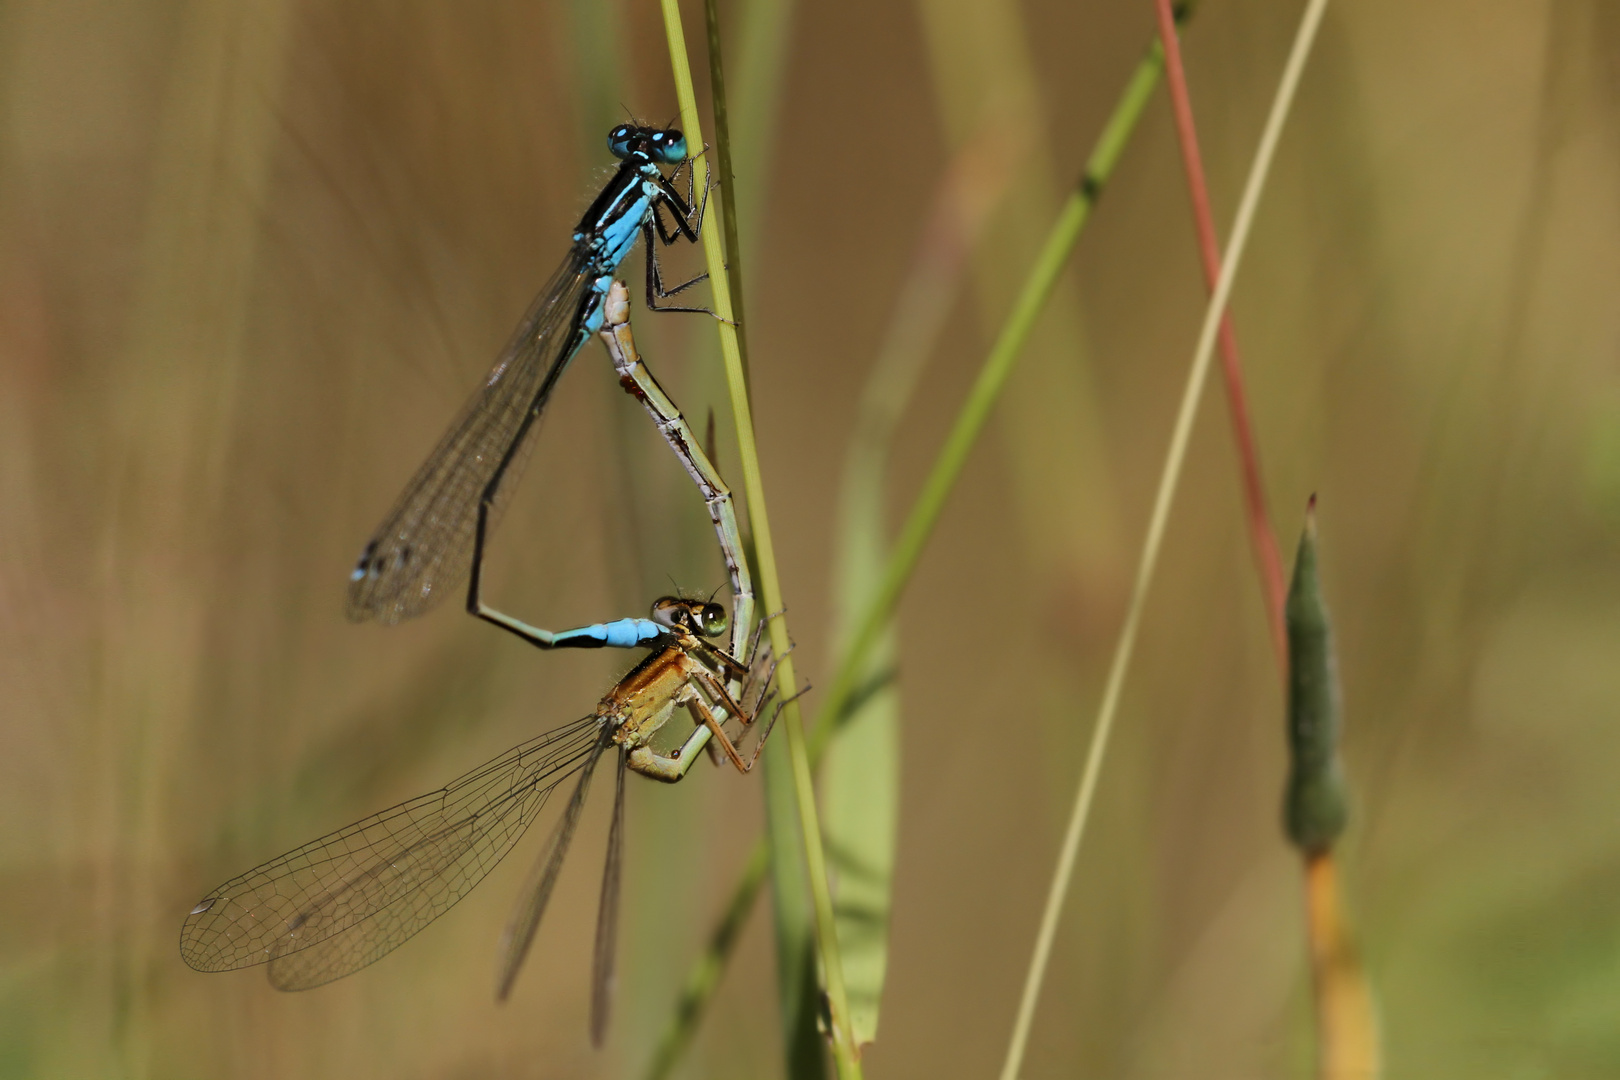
<point x="423" y="548"/>
<point x="536" y="892"/>
<point x="336" y="904"/>
<point x="607" y="915"/>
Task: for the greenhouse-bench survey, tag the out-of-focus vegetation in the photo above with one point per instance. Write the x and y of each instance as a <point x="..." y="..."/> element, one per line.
<point x="252" y="256"/>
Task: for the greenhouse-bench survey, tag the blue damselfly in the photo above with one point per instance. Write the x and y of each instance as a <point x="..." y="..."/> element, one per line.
<point x="437" y="530"/>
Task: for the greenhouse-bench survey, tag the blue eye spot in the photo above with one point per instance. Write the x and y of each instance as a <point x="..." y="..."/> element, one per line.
<point x="669" y="147"/>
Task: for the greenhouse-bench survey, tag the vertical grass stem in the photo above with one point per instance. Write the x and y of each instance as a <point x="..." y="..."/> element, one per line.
<point x="986" y="390"/>
<point x="845" y="1055"/>
<point x="1168" y="481"/>
<point x="925" y="511"/>
<point x="1261" y="538"/>
<point x="727" y="178"/>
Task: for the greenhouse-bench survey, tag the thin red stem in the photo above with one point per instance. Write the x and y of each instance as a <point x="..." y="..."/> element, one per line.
<point x="1264" y="542"/>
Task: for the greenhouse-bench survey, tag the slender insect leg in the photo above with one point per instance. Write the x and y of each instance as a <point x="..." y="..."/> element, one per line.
<point x="751" y="653"/>
<point x="709" y="182"/>
<point x="722" y="697"/>
<point x="765" y="732"/>
<point x="751" y="711"/>
<point x="715" y="757"/>
<point x="685" y="207"/>
<point x="701" y="710"/>
<point x="684" y="215"/>
<point x="769" y="680"/>
<point x="655" y="277"/>
<point x="704" y="716"/>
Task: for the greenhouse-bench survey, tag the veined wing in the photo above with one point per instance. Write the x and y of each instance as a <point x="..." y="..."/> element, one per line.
<point x="350" y="897"/>
<point x="536" y="891"/>
<point x="423" y="548"/>
<point x="607" y="914"/>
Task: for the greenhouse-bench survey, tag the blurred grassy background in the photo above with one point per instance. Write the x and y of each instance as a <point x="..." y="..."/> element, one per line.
<point x="252" y="256"/>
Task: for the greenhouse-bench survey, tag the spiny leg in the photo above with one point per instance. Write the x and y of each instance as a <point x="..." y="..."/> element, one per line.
<point x="704" y="717"/>
<point x="655" y="277"/>
<point x="684" y="215"/>
<point x="724" y="699"/>
<point x="709" y="183"/>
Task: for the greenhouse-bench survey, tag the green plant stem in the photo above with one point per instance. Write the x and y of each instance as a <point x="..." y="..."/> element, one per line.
<point x="1169" y="479"/>
<point x="797" y="989"/>
<point x="860" y="780"/>
<point x="726" y="181"/>
<point x="705" y="975"/>
<point x="987" y="387"/>
<point x="845" y="1055"/>
<point x="704" y="978"/>
<point x="831" y="717"/>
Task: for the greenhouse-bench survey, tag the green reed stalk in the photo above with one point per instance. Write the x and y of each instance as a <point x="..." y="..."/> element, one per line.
<point x="925" y="511"/>
<point x="845" y="1054"/>
<point x="726" y="181"/>
<point x="1169" y="480"/>
<point x="970" y="421"/>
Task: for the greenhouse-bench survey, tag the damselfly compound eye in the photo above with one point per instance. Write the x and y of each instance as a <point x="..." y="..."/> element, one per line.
<point x="712" y="620"/>
<point x="668" y="147"/>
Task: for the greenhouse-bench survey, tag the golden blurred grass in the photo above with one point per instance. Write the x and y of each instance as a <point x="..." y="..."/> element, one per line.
<point x="251" y="257"/>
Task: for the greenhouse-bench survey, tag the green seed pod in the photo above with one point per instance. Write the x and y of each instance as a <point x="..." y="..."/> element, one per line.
<point x="1315" y="804"/>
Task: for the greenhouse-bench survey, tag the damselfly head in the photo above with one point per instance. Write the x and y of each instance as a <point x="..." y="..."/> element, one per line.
<point x="695" y="616"/>
<point x="666" y="146"/>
